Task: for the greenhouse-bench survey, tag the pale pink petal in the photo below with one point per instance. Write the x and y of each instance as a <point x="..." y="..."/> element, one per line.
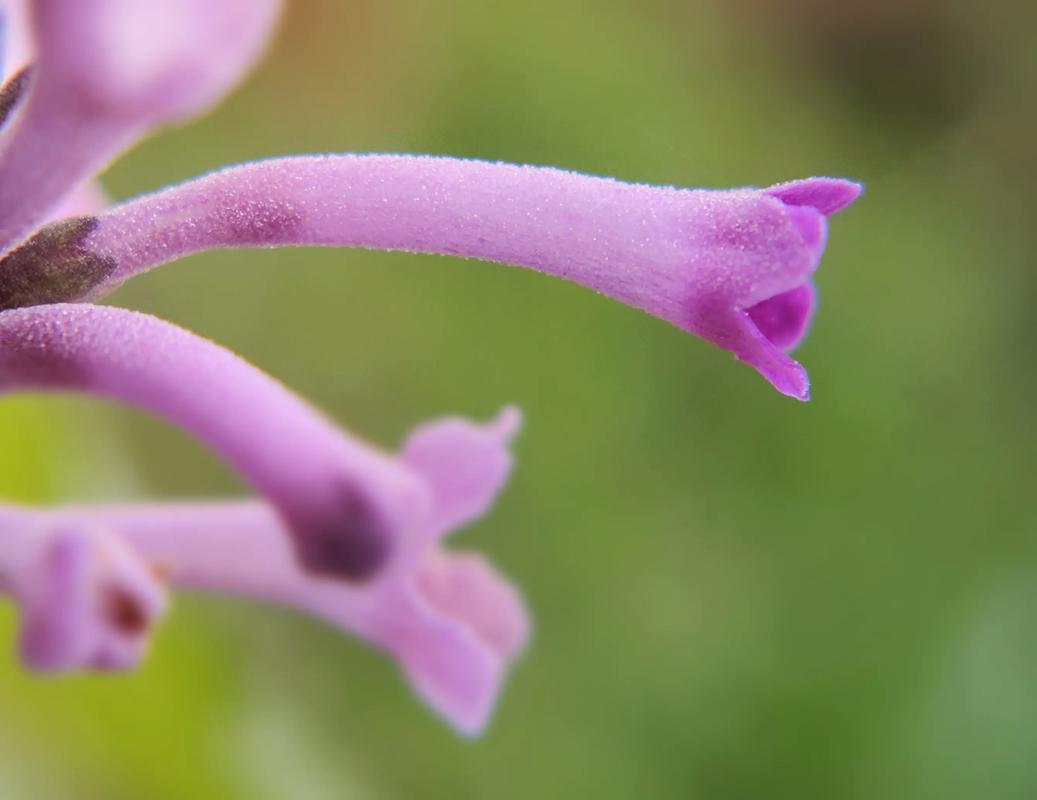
<point x="465" y="464"/>
<point x="152" y="61"/>
<point x="465" y="586"/>
<point x="108" y="72"/>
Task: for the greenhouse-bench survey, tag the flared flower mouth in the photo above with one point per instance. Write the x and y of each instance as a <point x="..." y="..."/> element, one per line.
<point x="785" y="317"/>
<point x="762" y="334"/>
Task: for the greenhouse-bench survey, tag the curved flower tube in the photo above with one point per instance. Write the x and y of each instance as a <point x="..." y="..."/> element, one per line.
<point x="108" y="72"/>
<point x="733" y="267"/>
<point x="454" y="625"/>
<point x="347" y="503"/>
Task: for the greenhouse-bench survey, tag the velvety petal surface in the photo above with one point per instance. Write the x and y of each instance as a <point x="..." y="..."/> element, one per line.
<point x="698" y="259"/>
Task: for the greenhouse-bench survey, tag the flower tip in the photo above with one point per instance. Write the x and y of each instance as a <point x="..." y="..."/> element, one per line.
<point x="472" y="625"/>
<point x="784" y="373"/>
<point x="796" y="384"/>
<point x="88" y="603"/>
<point x="827" y="195"/>
<point x="456" y="675"/>
<point x="792" y="385"/>
<point x="464" y="463"/>
<point x="506" y="425"/>
<point x="787" y="376"/>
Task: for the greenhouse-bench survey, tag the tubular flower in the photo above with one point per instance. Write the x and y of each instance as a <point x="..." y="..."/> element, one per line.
<point x="733" y="267"/>
<point x="89" y="596"/>
<point x="91" y="583"/>
<point x="341" y="530"/>
<point x="346" y="503"/>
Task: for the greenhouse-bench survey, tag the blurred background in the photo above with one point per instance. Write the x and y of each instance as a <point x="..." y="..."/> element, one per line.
<point x="736" y="595"/>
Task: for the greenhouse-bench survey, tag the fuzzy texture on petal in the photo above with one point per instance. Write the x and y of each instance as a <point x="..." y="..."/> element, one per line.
<point x="698" y="259"/>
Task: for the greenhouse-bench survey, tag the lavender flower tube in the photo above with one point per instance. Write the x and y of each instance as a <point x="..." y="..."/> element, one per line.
<point x="733" y="267"/>
<point x="347" y="503"/>
<point x="91" y="583"/>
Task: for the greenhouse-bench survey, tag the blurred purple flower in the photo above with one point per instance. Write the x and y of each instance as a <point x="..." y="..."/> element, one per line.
<point x="91" y="585"/>
<point x="346" y="532"/>
<point x="85" y="577"/>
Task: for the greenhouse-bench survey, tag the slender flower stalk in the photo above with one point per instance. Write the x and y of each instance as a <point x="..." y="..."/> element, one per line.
<point x="91" y="581"/>
<point x="347" y="503"/>
<point x="731" y="266"/>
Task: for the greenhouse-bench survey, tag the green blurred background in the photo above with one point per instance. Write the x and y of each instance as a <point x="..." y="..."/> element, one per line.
<point x="736" y="595"/>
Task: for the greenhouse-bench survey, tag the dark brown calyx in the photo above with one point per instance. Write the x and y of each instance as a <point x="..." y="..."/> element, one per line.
<point x="53" y="266"/>
<point x="13" y="91"/>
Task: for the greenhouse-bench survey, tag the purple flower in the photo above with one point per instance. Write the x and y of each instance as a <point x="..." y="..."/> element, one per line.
<point x="343" y="530"/>
<point x="88" y="600"/>
<point x="731" y="266"/>
<point x="347" y="504"/>
<point x="90" y="582"/>
<point x="85" y="578"/>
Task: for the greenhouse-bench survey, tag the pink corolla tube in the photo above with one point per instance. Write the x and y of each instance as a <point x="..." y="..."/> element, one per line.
<point x="347" y="503"/>
<point x="733" y="267"/>
<point x="92" y="584"/>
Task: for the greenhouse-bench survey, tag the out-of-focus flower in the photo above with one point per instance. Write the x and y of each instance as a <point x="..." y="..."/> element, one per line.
<point x="88" y="600"/>
<point x="347" y="504"/>
<point x="91" y="585"/>
<point x="106" y="73"/>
